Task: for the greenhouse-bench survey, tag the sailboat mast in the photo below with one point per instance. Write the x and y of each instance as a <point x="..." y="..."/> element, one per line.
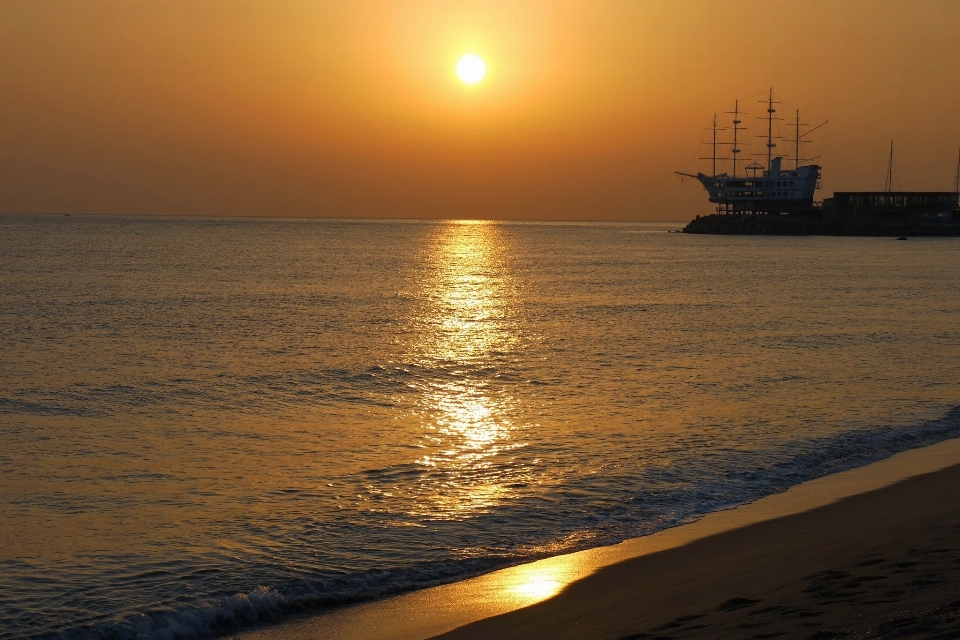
<point x="890" y="169"/>
<point x="770" y="112"/>
<point x="736" y="124"/>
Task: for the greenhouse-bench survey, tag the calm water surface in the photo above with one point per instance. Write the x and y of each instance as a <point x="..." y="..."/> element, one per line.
<point x="208" y="423"/>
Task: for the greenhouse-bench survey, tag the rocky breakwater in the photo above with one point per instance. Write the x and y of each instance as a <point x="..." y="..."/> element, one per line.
<point x="801" y="225"/>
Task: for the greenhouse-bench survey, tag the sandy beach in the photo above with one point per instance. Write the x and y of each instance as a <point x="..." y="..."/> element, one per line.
<point x="880" y="564"/>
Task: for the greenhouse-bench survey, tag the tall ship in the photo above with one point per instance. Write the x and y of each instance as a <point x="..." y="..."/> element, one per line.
<point x="769" y="188"/>
<point x="777" y="198"/>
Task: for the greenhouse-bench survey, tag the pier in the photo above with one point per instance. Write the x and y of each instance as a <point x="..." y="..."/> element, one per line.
<point x="850" y="213"/>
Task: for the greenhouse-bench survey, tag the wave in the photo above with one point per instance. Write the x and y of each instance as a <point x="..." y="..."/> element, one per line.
<point x="219" y="616"/>
<point x="749" y="475"/>
<point x="371" y="386"/>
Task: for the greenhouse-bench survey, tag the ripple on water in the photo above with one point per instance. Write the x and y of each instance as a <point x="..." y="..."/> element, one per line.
<point x="247" y="419"/>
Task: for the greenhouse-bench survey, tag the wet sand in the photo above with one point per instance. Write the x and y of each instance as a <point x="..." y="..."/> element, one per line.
<point x="882" y="564"/>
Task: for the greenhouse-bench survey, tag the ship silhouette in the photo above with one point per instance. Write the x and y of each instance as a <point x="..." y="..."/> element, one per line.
<point x="769" y="199"/>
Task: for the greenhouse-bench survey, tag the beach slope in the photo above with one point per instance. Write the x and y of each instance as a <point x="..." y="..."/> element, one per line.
<point x="885" y="563"/>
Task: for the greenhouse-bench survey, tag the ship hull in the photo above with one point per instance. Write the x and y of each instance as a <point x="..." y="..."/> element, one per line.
<point x="776" y="191"/>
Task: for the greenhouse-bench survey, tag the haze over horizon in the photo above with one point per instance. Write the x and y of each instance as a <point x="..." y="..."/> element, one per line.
<point x="354" y="109"/>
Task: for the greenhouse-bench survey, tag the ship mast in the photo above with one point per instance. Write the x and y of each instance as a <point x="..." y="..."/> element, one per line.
<point x="736" y="128"/>
<point x="713" y="157"/>
<point x="889" y="186"/>
<point x="956" y="181"/>
<point x="714" y="145"/>
<point x="796" y="164"/>
<point x="770" y="112"/>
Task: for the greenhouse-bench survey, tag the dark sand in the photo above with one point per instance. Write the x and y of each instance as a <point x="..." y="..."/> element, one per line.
<point x="883" y="564"/>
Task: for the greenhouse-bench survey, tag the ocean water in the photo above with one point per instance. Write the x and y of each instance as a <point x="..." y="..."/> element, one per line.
<point x="210" y="423"/>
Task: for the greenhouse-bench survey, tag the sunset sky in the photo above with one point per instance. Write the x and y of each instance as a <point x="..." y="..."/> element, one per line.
<point x="354" y="109"/>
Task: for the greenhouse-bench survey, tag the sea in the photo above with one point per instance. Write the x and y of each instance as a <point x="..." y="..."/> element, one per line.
<point x="209" y="424"/>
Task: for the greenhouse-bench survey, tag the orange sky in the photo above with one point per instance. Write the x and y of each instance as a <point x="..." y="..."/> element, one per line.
<point x="353" y="108"/>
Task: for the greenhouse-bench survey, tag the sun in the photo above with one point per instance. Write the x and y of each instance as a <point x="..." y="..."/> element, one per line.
<point x="471" y="69"/>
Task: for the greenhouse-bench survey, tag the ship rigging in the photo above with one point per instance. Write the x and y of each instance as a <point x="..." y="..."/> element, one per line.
<point x="767" y="189"/>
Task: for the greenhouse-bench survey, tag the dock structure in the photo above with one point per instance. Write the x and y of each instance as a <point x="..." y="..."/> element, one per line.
<point x="924" y="207"/>
<point x="850" y="213"/>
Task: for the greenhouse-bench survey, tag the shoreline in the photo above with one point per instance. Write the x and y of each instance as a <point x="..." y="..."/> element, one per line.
<point x="588" y="593"/>
<point x="883" y="564"/>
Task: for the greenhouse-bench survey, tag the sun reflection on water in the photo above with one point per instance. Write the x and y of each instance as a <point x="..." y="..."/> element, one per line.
<point x="463" y="334"/>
